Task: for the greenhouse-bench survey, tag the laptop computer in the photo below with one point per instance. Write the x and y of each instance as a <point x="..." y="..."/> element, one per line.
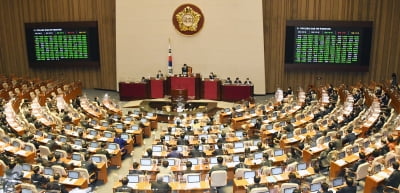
<point x="213" y="160"/>
<point x="249" y="174"/>
<point x="258" y="155"/>
<point x="355" y="149"/>
<point x="157" y="150"/>
<point x="134" y="127"/>
<point x="238" y="147"/>
<point x="288" y="190"/>
<point x="73" y="174"/>
<point x="26" y="167"/>
<point x="171" y="162"/>
<point x="342" y="155"/>
<point x="96" y="159"/>
<point x="194" y="161"/>
<point x="24" y="190"/>
<point x="145" y="164"/>
<point x="276" y="171"/>
<point x="255" y="141"/>
<point x="301" y="166"/>
<point x="119" y="126"/>
<point x="278" y="152"/>
<point x="108" y="134"/>
<point x="239" y="134"/>
<point x="315" y="187"/>
<point x="48" y="171"/>
<point x="377" y="168"/>
<point x="76" y="157"/>
<point x="133" y="178"/>
<point x="337" y="182"/>
<point x="269" y="127"/>
<point x="193" y="181"/>
<point x="235" y="158"/>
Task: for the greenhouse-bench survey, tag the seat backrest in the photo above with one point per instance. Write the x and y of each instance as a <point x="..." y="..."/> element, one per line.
<point x="29" y="187"/>
<point x="288" y="185"/>
<point x="103" y="158"/>
<point x="362" y="171"/>
<point x="83" y="173"/>
<point x="291" y="167"/>
<point x="240" y="172"/>
<point x="32" y="147"/>
<point x="162" y="175"/>
<point x="59" y="169"/>
<point x="259" y="190"/>
<point x="63" y="153"/>
<point x="219" y="178"/>
<point x="320" y="140"/>
<point x="44" y="151"/>
<point x="319" y="179"/>
<point x="266" y="171"/>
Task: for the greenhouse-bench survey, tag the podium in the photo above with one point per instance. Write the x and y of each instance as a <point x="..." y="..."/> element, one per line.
<point x="191" y="84"/>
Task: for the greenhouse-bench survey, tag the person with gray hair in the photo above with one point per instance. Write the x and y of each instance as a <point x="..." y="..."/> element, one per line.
<point x="159" y="186"/>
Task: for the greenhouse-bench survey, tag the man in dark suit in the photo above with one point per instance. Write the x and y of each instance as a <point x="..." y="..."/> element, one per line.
<point x="222" y="139"/>
<point x="256" y="184"/>
<point x="218" y="151"/>
<point x="363" y="159"/>
<point x="103" y="150"/>
<point x="350" y="137"/>
<point x="124" y="187"/>
<point x="394" y="178"/>
<point x="174" y="153"/>
<point x="350" y="188"/>
<point x="324" y="188"/>
<point x="266" y="161"/>
<point x="88" y="164"/>
<point x="159" y="186"/>
<point x="55" y="184"/>
<point x="135" y="169"/>
<point x="195" y="152"/>
<point x="219" y="166"/>
<point x="182" y="140"/>
<point x="241" y="163"/>
<point x="37" y="179"/>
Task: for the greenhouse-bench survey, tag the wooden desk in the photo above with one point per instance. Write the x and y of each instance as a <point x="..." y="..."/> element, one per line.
<point x="309" y="154"/>
<point x="372" y="182"/>
<point x="182" y="187"/>
<point x="240" y="184"/>
<point x="116" y="158"/>
<point x="337" y="166"/>
<point x="27" y="156"/>
<point x="175" y="186"/>
<point x="102" y="172"/>
<point x="138" y="135"/>
<point x="80" y="182"/>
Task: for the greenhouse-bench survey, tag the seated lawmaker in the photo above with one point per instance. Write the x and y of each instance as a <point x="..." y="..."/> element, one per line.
<point x="37" y="179"/>
<point x="219" y="166"/>
<point x="195" y="152"/>
<point x="124" y="187"/>
<point x="159" y="186"/>
<point x="237" y="81"/>
<point x="257" y="180"/>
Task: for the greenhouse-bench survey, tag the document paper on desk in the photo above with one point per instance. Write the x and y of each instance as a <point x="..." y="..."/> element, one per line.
<point x="192" y="185"/>
<point x="340" y="162"/>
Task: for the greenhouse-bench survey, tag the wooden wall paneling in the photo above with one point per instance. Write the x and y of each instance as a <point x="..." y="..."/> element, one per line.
<point x="14" y="13"/>
<point x="385" y="57"/>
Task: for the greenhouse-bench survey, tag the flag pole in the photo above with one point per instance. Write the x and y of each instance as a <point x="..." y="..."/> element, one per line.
<point x="170" y="71"/>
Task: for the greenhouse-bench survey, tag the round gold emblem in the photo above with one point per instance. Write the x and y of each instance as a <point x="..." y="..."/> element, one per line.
<point x="188" y="19"/>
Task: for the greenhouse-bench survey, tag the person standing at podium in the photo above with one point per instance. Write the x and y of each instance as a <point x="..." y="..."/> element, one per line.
<point x="159" y="75"/>
<point x="185" y="70"/>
